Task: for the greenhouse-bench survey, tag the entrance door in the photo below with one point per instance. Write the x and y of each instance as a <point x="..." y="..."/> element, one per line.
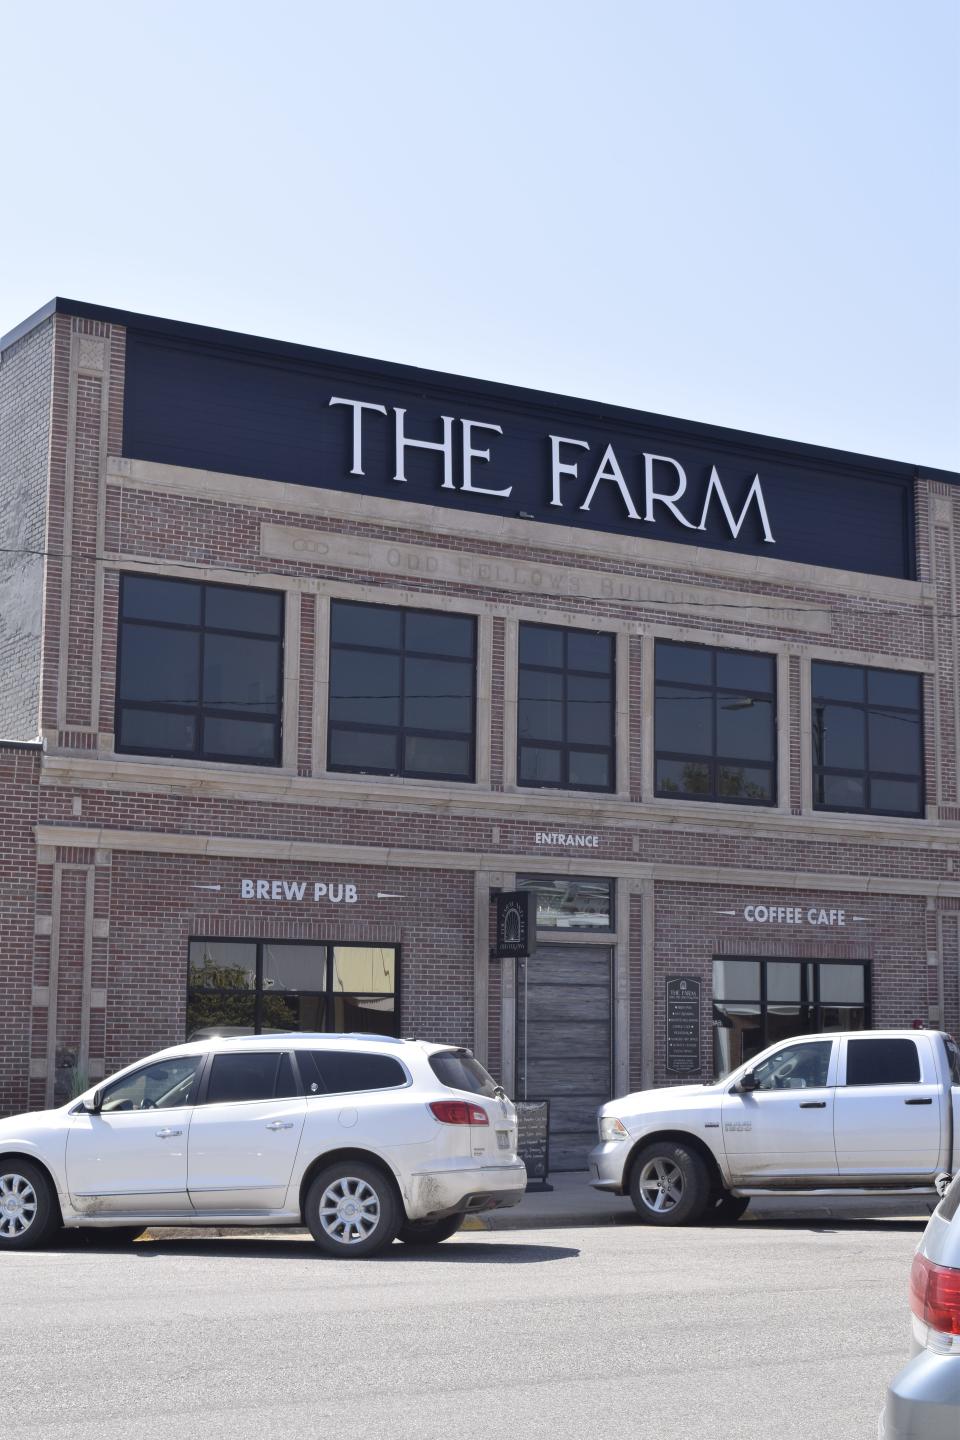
<point x="564" y="1043"/>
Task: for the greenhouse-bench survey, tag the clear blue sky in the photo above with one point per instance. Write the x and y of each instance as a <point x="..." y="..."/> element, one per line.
<point x="739" y="211"/>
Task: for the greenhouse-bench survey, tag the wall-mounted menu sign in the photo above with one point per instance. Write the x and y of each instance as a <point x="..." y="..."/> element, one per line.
<point x="533" y="1136"/>
<point x="683" y="1024"/>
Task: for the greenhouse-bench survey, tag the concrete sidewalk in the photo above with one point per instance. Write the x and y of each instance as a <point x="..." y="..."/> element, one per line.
<point x="573" y="1201"/>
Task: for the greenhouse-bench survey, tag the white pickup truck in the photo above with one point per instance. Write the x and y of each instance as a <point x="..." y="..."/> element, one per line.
<point x="868" y="1112"/>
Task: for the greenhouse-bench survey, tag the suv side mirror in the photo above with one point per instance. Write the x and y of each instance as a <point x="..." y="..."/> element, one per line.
<point x="747" y="1081"/>
<point x="92" y="1106"/>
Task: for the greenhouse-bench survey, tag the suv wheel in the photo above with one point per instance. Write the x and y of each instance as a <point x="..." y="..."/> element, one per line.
<point x="429" y="1232"/>
<point x="726" y="1209"/>
<point x="669" y="1184"/>
<point x="29" y="1213"/>
<point x="352" y="1210"/>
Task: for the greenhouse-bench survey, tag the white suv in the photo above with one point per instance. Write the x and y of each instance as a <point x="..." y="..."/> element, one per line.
<point x="363" y="1138"/>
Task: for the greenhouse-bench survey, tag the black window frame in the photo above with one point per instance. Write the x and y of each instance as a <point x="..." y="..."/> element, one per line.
<point x="200" y="711"/>
<point x="867" y="774"/>
<point x="814" y="1004"/>
<point x="713" y="760"/>
<point x="327" y="992"/>
<point x="565" y="746"/>
<point x="401" y="730"/>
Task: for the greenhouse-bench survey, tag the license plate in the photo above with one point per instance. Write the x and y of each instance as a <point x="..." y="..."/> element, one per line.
<point x="503" y="1139"/>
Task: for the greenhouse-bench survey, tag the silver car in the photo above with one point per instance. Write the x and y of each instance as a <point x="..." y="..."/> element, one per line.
<point x="923" y="1402"/>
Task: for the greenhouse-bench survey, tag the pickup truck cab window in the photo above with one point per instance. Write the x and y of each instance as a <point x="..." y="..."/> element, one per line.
<point x="882" y="1062"/>
<point x="795" y="1067"/>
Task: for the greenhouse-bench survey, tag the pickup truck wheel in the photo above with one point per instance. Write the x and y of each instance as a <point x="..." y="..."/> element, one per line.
<point x="352" y="1210"/>
<point x="429" y="1232"/>
<point x="29" y="1212"/>
<point x="669" y="1184"/>
<point x="726" y="1209"/>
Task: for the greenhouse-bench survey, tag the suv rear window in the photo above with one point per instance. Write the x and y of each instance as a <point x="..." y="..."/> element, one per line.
<point x="333" y="1072"/>
<point x="882" y="1062"/>
<point x="953" y="1059"/>
<point x="951" y="1201"/>
<point x="460" y="1071"/>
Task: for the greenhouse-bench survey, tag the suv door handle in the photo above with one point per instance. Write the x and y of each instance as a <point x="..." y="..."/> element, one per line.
<point x="166" y="1134"/>
<point x="813" y="1104"/>
<point x="280" y="1125"/>
<point x="928" y="1101"/>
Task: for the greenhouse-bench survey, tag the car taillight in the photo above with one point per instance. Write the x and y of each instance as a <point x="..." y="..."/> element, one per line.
<point x="935" y="1295"/>
<point x="459" y="1112"/>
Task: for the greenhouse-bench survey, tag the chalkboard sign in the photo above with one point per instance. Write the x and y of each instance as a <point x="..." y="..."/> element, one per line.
<point x="683" y="1024"/>
<point x="533" y="1139"/>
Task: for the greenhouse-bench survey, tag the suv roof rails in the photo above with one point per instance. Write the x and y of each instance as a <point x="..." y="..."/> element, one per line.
<point x="319" y="1035"/>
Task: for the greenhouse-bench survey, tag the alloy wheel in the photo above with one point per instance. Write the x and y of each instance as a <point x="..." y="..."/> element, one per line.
<point x="349" y="1210"/>
<point x="661" y="1185"/>
<point x="18" y="1205"/>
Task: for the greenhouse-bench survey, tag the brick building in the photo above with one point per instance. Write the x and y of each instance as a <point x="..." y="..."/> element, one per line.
<point x="305" y="658"/>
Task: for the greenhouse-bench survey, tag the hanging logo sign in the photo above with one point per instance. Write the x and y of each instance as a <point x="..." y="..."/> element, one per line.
<point x="516" y="923"/>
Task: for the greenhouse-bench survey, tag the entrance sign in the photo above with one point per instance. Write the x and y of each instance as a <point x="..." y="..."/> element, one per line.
<point x="516" y="923"/>
<point x="683" y="1024"/>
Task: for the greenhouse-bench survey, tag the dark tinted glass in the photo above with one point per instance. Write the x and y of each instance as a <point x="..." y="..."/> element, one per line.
<point x="687" y="663"/>
<point x="242" y="1077"/>
<point x="540" y="705"/>
<point x="744" y="727"/>
<point x="684" y="720"/>
<point x="340" y="1071"/>
<point x="365" y="625"/>
<point x="440" y="634"/>
<point x="162" y="730"/>
<point x="589" y="652"/>
<point x="843" y="792"/>
<point x="241" y="674"/>
<point x="589" y="709"/>
<point x="683" y="777"/>
<point x="363" y="750"/>
<point x="159" y="666"/>
<point x="737" y="670"/>
<point x="238" y="739"/>
<point x="459" y="1071"/>
<point x="365" y="686"/>
<point x="744" y="782"/>
<point x="540" y="645"/>
<point x="837" y="682"/>
<point x="895" y="741"/>
<point x="882" y="1062"/>
<point x="438" y="695"/>
<point x="230" y="608"/>
<point x="539" y="766"/>
<point x="286" y="1084"/>
<point x="843" y="733"/>
<point x="223" y="964"/>
<point x="895" y="688"/>
<point x="589" y="769"/>
<point x="436" y="755"/>
<point x="950" y="1203"/>
<point x="177" y="602"/>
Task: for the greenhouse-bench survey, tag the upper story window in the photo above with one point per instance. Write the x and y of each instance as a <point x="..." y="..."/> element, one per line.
<point x="867" y="740"/>
<point x="716" y="735"/>
<point x="402" y="692"/>
<point x="199" y="670"/>
<point x="565" y="709"/>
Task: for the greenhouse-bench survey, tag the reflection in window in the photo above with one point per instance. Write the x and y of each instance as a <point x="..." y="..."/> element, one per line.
<point x="867" y="740"/>
<point x="402" y="691"/>
<point x="254" y="987"/>
<point x="571" y="902"/>
<point x="565" y="708"/>
<point x="161" y="1086"/>
<point x="757" y="1003"/>
<point x="199" y="670"/>
<point x="715" y="730"/>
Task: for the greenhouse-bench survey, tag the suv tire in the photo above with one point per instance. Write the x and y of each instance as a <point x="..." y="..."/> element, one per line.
<point x="726" y="1209"/>
<point x="29" y="1209"/>
<point x="429" y="1232"/>
<point x="669" y="1184"/>
<point x="352" y="1209"/>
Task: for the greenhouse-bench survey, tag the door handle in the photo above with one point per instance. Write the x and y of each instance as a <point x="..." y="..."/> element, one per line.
<point x="928" y="1101"/>
<point x="166" y="1134"/>
<point x="280" y="1125"/>
<point x="813" y="1104"/>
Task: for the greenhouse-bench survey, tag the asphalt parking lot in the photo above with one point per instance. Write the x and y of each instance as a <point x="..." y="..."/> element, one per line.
<point x="780" y="1328"/>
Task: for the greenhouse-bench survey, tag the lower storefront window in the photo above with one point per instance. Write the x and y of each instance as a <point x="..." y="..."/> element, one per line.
<point x="759" y="1002"/>
<point x="241" y="987"/>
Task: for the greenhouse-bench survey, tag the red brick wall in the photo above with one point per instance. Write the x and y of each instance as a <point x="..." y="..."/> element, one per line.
<point x="19" y="776"/>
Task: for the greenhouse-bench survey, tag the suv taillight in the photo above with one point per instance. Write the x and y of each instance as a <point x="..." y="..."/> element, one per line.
<point x="459" y="1112"/>
<point x="935" y="1295"/>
